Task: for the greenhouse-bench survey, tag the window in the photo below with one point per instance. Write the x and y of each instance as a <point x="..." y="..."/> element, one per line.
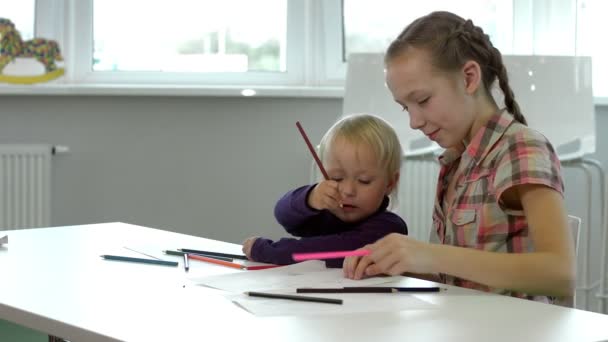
<point x="567" y="27"/>
<point x="190" y="36"/>
<point x="368" y="30"/>
<point x="280" y="44"/>
<point x="189" y="42"/>
<point x="21" y="13"/>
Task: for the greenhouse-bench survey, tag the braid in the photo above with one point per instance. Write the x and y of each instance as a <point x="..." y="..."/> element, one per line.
<point x="482" y="50"/>
<point x="503" y="82"/>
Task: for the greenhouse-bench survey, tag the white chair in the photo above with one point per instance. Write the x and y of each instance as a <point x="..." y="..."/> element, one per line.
<point x="574" y="224"/>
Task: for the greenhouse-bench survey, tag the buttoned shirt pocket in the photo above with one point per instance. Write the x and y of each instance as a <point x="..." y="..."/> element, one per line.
<point x="463" y="230"/>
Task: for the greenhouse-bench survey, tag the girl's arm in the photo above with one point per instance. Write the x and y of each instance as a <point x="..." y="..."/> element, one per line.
<point x="550" y="270"/>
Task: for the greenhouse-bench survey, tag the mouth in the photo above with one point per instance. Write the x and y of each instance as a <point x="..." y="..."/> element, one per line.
<point x="348" y="207"/>
<point x="433" y="134"/>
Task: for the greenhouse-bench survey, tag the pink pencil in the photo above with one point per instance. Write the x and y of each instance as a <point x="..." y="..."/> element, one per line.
<point x="312" y="150"/>
<point x="328" y="255"/>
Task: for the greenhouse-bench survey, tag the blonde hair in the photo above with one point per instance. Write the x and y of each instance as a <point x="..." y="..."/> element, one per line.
<point x="368" y="130"/>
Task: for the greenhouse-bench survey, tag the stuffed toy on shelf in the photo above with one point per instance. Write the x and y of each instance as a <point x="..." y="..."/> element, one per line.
<point x="44" y="51"/>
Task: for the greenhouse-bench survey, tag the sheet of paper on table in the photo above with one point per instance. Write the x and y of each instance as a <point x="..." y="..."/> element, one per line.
<point x="305" y="274"/>
<point x="287" y="279"/>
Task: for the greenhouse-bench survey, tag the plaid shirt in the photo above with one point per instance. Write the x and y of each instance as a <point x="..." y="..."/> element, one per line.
<point x="503" y="154"/>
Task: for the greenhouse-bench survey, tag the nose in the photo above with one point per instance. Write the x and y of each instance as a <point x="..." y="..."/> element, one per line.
<point x="416" y="120"/>
<point x="347" y="188"/>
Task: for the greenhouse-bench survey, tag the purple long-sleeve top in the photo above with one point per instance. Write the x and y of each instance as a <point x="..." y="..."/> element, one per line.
<point x="321" y="231"/>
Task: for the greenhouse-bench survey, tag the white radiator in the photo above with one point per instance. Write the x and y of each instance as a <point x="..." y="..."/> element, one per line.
<point x="25" y="172"/>
<point x="417" y="195"/>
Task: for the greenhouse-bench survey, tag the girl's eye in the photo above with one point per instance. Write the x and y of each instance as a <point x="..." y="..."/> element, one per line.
<point x="336" y="179"/>
<point x="366" y="182"/>
<point x="424" y="101"/>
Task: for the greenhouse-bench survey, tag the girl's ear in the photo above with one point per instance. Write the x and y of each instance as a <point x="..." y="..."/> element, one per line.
<point x="392" y="183"/>
<point x="472" y="76"/>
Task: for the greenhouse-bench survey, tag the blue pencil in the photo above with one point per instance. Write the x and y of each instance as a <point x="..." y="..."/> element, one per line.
<point x="140" y="260"/>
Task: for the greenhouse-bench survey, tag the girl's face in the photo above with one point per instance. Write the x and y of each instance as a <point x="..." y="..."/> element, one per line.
<point x="439" y="104"/>
<point x="362" y="180"/>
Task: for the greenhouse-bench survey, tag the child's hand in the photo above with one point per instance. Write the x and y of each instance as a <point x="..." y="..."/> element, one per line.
<point x="247" y="244"/>
<point x="326" y="195"/>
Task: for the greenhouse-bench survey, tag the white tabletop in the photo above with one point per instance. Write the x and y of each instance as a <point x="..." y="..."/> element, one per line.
<point x="53" y="280"/>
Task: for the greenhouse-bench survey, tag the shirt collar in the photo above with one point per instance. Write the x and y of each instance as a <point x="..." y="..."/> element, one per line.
<point x="483" y="141"/>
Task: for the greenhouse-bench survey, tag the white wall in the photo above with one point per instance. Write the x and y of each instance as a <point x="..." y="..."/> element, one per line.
<point x="205" y="166"/>
<point x="210" y="167"/>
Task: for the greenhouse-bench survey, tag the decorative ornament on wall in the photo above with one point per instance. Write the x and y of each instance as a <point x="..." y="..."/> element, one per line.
<point x="27" y="62"/>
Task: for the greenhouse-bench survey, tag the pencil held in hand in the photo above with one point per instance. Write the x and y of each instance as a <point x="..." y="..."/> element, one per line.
<point x="312" y="150"/>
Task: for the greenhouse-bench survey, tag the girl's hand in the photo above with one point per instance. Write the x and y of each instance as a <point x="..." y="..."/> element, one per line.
<point x="394" y="254"/>
<point x="326" y="195"/>
<point x="247" y="244"/>
<point x="356" y="265"/>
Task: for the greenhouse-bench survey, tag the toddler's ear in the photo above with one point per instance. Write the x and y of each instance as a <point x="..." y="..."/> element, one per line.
<point x="392" y="182"/>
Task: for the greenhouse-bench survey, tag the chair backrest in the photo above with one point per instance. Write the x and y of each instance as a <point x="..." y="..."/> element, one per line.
<point x="574" y="223"/>
<point x="575" y="226"/>
<point x="365" y="91"/>
<point x="549" y="90"/>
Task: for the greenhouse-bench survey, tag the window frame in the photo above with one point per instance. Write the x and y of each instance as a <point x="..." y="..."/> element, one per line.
<point x="315" y="65"/>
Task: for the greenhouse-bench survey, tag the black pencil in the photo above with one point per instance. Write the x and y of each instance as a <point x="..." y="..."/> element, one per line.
<point x="372" y="289"/>
<point x="170" y="252"/>
<point x="293" y="297"/>
<point x="210" y="254"/>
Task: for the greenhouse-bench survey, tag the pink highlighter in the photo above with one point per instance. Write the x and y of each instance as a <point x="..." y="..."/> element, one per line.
<point x="328" y="255"/>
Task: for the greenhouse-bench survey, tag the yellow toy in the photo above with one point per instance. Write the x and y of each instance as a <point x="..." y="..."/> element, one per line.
<point x="43" y="50"/>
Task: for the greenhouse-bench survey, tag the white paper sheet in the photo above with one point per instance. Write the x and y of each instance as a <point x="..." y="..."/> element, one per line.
<point x="352" y="303"/>
<point x="305" y="274"/>
<point x="3" y="240"/>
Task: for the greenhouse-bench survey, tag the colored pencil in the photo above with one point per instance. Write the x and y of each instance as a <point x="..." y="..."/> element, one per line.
<point x="186" y="262"/>
<point x="261" y="267"/>
<point x="170" y="252"/>
<point x="210" y="254"/>
<point x="373" y="289"/>
<point x="312" y="150"/>
<point x="294" y="297"/>
<point x="140" y="260"/>
<point x="216" y="261"/>
<point x="329" y="255"/>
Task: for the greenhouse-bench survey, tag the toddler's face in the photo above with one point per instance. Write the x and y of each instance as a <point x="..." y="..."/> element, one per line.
<point x="363" y="181"/>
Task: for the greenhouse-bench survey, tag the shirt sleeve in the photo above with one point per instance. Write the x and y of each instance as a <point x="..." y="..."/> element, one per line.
<point x="527" y="158"/>
<point x="296" y="216"/>
<point x="280" y="252"/>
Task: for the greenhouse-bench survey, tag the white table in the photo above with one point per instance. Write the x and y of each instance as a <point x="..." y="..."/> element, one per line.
<point x="53" y="280"/>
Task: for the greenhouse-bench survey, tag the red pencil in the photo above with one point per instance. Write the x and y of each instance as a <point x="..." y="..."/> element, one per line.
<point x="216" y="261"/>
<point x="261" y="267"/>
<point x="312" y="150"/>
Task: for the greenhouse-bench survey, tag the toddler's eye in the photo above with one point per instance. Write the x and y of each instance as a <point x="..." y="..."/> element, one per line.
<point x="366" y="182"/>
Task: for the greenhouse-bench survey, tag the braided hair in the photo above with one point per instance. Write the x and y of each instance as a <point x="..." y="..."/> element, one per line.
<point x="452" y="41"/>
